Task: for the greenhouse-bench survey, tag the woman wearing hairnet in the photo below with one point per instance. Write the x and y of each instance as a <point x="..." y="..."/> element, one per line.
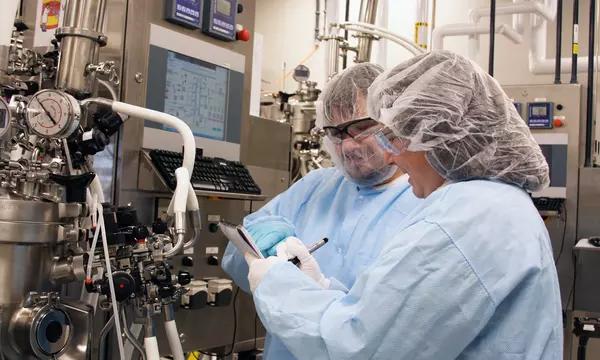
<point x="363" y="194"/>
<point x="470" y="275"/>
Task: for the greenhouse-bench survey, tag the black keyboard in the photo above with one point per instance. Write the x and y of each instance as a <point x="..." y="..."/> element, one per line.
<point x="210" y="174"/>
<point x="544" y="204"/>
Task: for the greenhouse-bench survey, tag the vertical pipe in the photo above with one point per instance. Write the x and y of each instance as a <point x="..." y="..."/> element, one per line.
<point x="421" y="35"/>
<point x="368" y="13"/>
<point x="590" y="85"/>
<point x="432" y="27"/>
<point x="346" y="18"/>
<point x="80" y="40"/>
<point x="557" y="64"/>
<point x="575" y="42"/>
<point x="492" y="36"/>
<point x="334" y="49"/>
<point x="317" y="20"/>
<point x="324" y="22"/>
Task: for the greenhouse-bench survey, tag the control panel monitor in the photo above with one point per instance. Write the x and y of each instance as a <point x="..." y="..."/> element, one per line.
<point x="555" y="148"/>
<point x="539" y="115"/>
<point x="220" y="19"/>
<point x="187" y="13"/>
<point x="199" y="83"/>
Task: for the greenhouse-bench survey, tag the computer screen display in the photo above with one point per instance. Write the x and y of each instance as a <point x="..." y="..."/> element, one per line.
<point x="208" y="97"/>
<point x="197" y="94"/>
<point x="556" y="156"/>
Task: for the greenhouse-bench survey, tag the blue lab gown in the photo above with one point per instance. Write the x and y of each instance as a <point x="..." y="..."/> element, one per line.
<point x="356" y="221"/>
<point x="470" y="276"/>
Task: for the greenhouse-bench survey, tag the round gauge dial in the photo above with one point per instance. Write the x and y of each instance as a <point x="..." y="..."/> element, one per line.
<point x="301" y="73"/>
<point x="4" y="118"/>
<point x="52" y="113"/>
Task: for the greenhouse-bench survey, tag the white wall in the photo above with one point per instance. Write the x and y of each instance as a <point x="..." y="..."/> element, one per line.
<point x="287" y="26"/>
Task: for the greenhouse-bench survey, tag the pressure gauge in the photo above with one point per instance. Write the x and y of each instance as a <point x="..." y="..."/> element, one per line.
<point x="4" y="118"/>
<point x="52" y="113"/>
<point x="301" y="73"/>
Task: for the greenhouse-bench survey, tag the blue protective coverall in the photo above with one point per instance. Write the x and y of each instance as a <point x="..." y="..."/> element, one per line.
<point x="470" y="276"/>
<point x="325" y="204"/>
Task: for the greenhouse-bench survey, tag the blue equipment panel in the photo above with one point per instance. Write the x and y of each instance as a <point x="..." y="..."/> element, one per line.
<point x="219" y="19"/>
<point x="539" y="115"/>
<point x="184" y="12"/>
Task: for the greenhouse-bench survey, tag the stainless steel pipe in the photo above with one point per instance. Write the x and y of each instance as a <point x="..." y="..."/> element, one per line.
<point x="80" y="40"/>
<point x="368" y="14"/>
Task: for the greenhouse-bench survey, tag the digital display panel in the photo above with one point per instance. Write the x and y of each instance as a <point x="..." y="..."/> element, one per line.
<point x="540" y="115"/>
<point x="539" y="111"/>
<point x="224" y="7"/>
<point x="196" y="92"/>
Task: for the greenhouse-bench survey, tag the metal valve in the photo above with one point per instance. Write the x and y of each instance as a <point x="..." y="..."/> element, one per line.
<point x="107" y="69"/>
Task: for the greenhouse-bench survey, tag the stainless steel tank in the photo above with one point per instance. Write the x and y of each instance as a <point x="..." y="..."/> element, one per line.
<point x="33" y="323"/>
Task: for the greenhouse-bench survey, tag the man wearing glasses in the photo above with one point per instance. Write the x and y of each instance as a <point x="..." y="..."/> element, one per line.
<point x="355" y="204"/>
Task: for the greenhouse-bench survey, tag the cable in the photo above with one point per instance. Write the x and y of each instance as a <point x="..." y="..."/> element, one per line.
<point x="572" y="291"/>
<point x="111" y="284"/>
<point x="492" y="37"/>
<point x="562" y="243"/>
<point x="255" y="330"/>
<point x="237" y="291"/>
<point x="130" y="336"/>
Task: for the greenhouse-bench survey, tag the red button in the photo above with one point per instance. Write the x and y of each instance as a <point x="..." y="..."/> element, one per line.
<point x="243" y="35"/>
<point x="121" y="286"/>
<point x="558" y="123"/>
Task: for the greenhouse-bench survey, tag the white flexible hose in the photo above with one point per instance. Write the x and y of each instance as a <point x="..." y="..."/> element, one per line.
<point x="179" y="202"/>
<point x="174" y="341"/>
<point x="92" y="251"/>
<point x="194" y="209"/>
<point x="151" y="346"/>
<point x="182" y="189"/>
<point x="189" y="144"/>
<point x="111" y="283"/>
<point x="97" y="195"/>
<point x="96" y="189"/>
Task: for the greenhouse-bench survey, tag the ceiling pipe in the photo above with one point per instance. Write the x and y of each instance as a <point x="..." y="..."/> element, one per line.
<point x="471" y="29"/>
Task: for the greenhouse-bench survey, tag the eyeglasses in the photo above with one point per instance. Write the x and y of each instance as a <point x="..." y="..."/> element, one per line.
<point x="355" y="129"/>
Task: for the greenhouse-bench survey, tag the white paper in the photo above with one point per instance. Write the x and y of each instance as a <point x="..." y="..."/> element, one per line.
<point x="49" y="17"/>
<point x="7" y="20"/>
<point x="242" y="241"/>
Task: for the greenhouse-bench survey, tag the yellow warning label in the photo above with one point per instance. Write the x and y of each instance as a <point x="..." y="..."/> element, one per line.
<point x="421" y="34"/>
<point x="576" y="48"/>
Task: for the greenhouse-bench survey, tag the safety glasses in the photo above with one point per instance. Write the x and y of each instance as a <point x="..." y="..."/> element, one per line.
<point x="389" y="142"/>
<point x="356" y="129"/>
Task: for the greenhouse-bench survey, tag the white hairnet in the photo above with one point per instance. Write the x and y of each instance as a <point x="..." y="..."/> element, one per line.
<point x="345" y="99"/>
<point x="446" y="105"/>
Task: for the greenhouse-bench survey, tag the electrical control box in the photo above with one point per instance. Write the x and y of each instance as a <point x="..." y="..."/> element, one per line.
<point x="539" y="115"/>
<point x="219" y="19"/>
<point x="187" y="13"/>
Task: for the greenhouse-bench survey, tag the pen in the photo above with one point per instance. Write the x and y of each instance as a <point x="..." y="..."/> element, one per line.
<point x="311" y="249"/>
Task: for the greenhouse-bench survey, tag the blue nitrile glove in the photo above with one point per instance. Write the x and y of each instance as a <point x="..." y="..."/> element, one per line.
<point x="268" y="231"/>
